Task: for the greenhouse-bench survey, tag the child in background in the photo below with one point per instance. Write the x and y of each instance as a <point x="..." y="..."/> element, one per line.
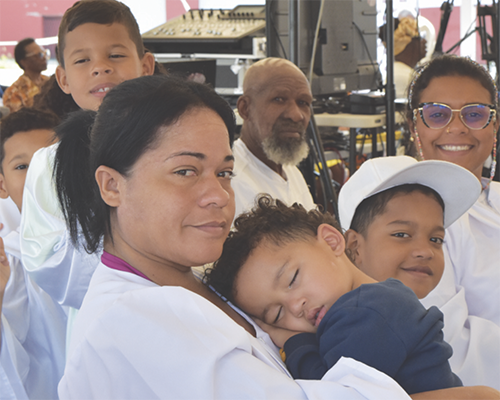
<point x="33" y="326"/>
<point x="99" y="46"/>
<point x="287" y="268"/>
<point x="10" y="216"/>
<point x="21" y="134"/>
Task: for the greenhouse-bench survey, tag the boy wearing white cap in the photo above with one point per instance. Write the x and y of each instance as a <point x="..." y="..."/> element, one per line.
<point x="287" y="268"/>
<point x="385" y="211"/>
<point x="382" y="247"/>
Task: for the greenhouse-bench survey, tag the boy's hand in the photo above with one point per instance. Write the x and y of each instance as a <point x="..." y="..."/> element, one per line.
<point x="278" y="335"/>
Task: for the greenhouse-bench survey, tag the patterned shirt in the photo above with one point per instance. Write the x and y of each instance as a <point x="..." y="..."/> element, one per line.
<point x="21" y="93"/>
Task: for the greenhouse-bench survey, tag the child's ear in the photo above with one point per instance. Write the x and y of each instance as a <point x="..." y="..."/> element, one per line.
<point x="148" y="64"/>
<point x="62" y="79"/>
<point x="110" y="183"/>
<point x="354" y="242"/>
<point x="332" y="237"/>
<point x="4" y="194"/>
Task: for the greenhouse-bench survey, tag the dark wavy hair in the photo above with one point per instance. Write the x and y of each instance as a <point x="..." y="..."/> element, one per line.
<point x="375" y="205"/>
<point x="126" y="126"/>
<point x="269" y="220"/>
<point x="104" y="12"/>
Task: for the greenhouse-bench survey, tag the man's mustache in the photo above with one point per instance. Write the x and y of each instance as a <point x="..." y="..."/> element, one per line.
<point x="289" y="127"/>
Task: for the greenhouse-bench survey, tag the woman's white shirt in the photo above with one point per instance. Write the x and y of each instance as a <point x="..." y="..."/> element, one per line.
<point x="474" y="248"/>
<point x="134" y="339"/>
<point x="469" y="291"/>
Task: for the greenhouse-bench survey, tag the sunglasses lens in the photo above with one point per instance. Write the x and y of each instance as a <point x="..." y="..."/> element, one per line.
<point x="476" y="116"/>
<point x="436" y="115"/>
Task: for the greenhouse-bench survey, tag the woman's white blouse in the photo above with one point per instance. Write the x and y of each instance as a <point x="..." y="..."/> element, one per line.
<point x="469" y="291"/>
<point x="134" y="339"/>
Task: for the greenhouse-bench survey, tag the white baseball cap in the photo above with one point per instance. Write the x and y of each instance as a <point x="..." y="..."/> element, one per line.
<point x="458" y="187"/>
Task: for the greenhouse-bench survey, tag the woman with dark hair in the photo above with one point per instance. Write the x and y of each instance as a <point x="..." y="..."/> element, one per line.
<point x="452" y="113"/>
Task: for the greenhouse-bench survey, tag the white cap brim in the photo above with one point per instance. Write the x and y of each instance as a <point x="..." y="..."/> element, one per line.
<point x="458" y="187"/>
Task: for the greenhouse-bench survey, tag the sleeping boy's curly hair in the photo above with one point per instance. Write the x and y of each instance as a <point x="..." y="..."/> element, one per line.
<point x="269" y="220"/>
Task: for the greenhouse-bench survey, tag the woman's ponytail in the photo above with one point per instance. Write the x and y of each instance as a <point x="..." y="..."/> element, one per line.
<point x="77" y="189"/>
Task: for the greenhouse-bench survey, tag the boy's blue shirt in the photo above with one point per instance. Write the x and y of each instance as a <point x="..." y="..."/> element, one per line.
<point x="383" y="325"/>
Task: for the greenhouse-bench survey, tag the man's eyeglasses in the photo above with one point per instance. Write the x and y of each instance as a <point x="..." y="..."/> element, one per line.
<point x="45" y="53"/>
<point x="474" y="116"/>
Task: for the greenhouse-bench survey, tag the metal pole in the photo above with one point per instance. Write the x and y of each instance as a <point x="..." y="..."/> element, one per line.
<point x="496" y="38"/>
<point x="326" y="181"/>
<point x="390" y="92"/>
<point x="269" y="32"/>
<point x="293" y="31"/>
<point x="315" y="138"/>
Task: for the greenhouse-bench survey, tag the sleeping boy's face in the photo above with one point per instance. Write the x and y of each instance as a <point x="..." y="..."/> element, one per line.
<point x="405" y="242"/>
<point x="19" y="150"/>
<point x="292" y="285"/>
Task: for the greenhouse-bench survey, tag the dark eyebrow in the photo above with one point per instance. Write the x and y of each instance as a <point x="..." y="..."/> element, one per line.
<point x="408" y="223"/>
<point x="199" y="156"/>
<point x="439" y="229"/>
<point x="83" y="49"/>
<point x="400" y="222"/>
<point x="17" y="157"/>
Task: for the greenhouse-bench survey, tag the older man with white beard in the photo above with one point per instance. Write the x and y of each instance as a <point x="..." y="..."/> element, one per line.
<point x="275" y="108"/>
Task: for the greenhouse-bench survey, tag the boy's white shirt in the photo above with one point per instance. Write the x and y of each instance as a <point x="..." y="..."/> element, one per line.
<point x="47" y="252"/>
<point x="32" y="352"/>
<point x="10" y="216"/>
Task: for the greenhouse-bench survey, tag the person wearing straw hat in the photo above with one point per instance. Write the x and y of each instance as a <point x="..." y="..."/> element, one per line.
<point x="409" y="49"/>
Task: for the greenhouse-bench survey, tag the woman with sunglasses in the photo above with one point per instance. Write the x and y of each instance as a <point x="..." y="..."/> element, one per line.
<point x="452" y="113"/>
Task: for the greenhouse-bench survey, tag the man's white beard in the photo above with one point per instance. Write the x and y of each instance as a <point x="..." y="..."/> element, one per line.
<point x="289" y="152"/>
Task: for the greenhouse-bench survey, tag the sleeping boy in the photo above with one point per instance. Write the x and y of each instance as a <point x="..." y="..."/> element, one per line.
<point x="287" y="268"/>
